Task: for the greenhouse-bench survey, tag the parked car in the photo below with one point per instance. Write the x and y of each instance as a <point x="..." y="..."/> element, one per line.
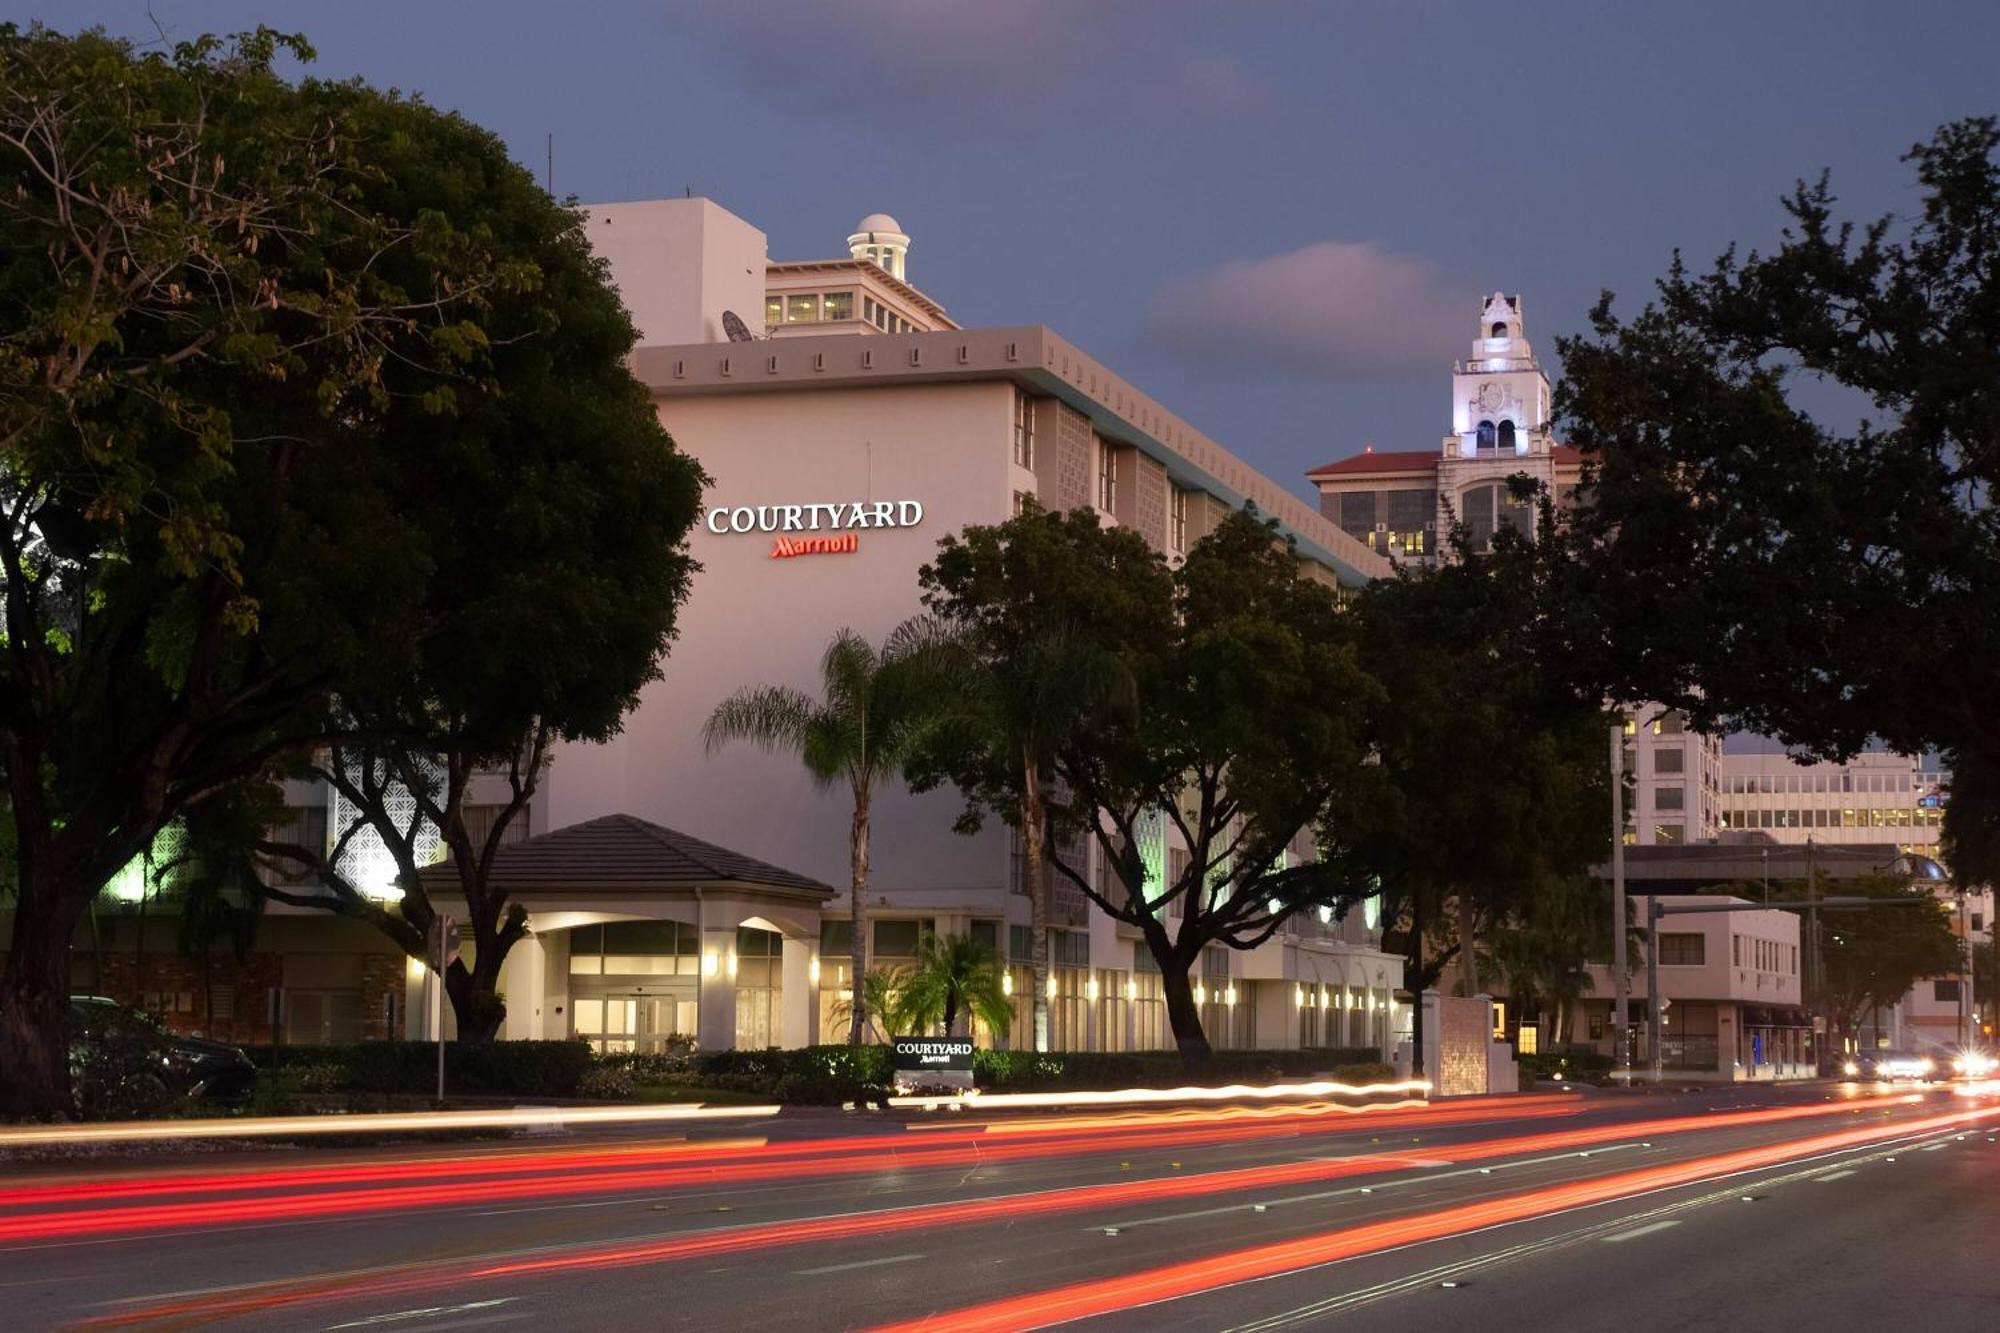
<point x="1888" y="1066"/>
<point x="122" y="1062"/>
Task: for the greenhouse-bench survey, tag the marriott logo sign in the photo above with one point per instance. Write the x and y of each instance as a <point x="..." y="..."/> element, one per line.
<point x="840" y="524"/>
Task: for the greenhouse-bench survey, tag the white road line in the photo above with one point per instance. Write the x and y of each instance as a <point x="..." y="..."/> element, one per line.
<point x="1370" y="1188"/>
<point x="848" y="1268"/>
<point x="423" y="1312"/>
<point x="1833" y="1175"/>
<point x="1637" y="1232"/>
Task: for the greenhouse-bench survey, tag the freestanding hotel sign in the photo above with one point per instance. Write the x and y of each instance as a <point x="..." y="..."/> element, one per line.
<point x="838" y="524"/>
<point x="932" y="1062"/>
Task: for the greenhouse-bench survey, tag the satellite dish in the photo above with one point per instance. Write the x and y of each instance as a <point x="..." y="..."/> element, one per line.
<point x="736" y="329"/>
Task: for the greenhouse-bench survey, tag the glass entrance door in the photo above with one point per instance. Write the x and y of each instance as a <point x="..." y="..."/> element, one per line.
<point x="626" y="1023"/>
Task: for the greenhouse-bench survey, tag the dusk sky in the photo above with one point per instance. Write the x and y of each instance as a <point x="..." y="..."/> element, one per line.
<point x="1278" y="217"/>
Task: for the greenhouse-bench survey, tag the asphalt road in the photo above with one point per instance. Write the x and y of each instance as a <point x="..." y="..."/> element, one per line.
<point x="1819" y="1207"/>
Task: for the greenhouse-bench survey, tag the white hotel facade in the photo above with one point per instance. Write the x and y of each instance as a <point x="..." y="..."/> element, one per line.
<point x="848" y="426"/>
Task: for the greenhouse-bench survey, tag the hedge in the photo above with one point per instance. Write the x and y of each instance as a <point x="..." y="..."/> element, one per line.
<point x="493" y="1068"/>
<point x="813" y="1075"/>
<point x="1579" y="1063"/>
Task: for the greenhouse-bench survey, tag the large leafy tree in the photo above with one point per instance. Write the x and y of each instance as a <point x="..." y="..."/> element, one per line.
<point x="1248" y="721"/>
<point x="1042" y="615"/>
<point x="1749" y="557"/>
<point x="1494" y="790"/>
<point x="257" y="421"/>
<point x="873" y="714"/>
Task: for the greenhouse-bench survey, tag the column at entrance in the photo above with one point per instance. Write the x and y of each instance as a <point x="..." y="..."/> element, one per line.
<point x="798" y="995"/>
<point x="716" y="1023"/>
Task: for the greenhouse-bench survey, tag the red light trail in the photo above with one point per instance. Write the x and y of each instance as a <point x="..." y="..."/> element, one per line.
<point x="927" y="1216"/>
<point x="1084" y="1300"/>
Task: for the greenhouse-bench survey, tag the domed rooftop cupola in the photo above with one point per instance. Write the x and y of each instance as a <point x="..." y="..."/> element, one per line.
<point x="880" y="239"/>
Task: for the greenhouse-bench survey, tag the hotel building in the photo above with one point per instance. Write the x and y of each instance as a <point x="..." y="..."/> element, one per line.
<point x="849" y="430"/>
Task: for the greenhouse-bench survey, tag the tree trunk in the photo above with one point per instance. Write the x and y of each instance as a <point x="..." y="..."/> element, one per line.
<point x="1035" y="854"/>
<point x="476" y="1006"/>
<point x="1183" y="1014"/>
<point x="1468" y="955"/>
<point x="858" y="904"/>
<point x="34" y="1006"/>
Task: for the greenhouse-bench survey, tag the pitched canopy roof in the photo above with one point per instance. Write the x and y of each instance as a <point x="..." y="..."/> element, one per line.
<point x="623" y="853"/>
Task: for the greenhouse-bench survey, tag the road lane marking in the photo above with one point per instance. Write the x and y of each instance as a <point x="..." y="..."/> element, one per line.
<point x="1833" y="1175"/>
<point x="1637" y="1232"/>
<point x="860" y="1263"/>
<point x="423" y="1312"/>
<point x="1320" y="1195"/>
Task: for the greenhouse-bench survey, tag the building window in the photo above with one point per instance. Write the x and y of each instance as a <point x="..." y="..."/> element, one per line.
<point x="1945" y="990"/>
<point x="898" y="939"/>
<point x="1357" y="514"/>
<point x="1020" y="503"/>
<point x="1024" y="430"/>
<point x="1669" y="798"/>
<point x="1107" y="477"/>
<point x="802" y="309"/>
<point x="1506" y="437"/>
<point x="1671" y="723"/>
<point x="1669" y="759"/>
<point x="1177" y="520"/>
<point x="1736" y="950"/>
<point x="774" y="310"/>
<point x="1683" y="949"/>
<point x="1484" y="438"/>
<point x="837" y="305"/>
<point x="1669" y="835"/>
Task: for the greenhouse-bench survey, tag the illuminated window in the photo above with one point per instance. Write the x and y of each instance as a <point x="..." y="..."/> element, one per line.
<point x="1669" y="835"/>
<point x="1107" y="477"/>
<point x="802" y="309"/>
<point x="837" y="305"/>
<point x="1177" y="520"/>
<point x="1525" y="1041"/>
<point x="774" y="310"/>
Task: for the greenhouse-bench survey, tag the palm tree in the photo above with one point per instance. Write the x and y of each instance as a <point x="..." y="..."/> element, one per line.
<point x="954" y="976"/>
<point x="1015" y="703"/>
<point x="873" y="713"/>
<point x="879" y="990"/>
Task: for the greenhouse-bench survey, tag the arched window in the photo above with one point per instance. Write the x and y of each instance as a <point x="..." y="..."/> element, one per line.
<point x="1486" y="436"/>
<point x="1507" y="437"/>
<point x="1499" y="331"/>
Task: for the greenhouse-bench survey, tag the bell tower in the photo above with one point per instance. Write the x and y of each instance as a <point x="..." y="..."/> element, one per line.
<point x="1500" y="395"/>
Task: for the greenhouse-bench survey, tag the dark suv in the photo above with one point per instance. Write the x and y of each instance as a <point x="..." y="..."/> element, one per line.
<point x="122" y="1062"/>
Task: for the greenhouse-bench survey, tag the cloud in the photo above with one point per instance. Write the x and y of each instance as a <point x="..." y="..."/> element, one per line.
<point x="1334" y="310"/>
<point x="878" y="55"/>
<point x="1220" y="85"/>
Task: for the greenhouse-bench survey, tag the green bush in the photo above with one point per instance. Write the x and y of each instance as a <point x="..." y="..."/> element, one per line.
<point x="1023" y="1071"/>
<point x="1578" y="1064"/>
<point x="494" y="1068"/>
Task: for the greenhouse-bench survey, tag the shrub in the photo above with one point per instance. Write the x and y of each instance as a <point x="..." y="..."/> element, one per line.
<point x="494" y="1068"/>
<point x="607" y="1081"/>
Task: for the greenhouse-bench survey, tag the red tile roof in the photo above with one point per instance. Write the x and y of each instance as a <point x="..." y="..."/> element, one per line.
<point x="1410" y="460"/>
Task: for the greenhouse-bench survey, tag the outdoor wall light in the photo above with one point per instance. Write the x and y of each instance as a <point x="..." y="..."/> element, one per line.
<point x="1229" y="996"/>
<point x="1051" y="987"/>
<point x="1007" y="983"/>
<point x="812" y="970"/>
<point x="1299" y="996"/>
<point x="732" y="964"/>
<point x="1200" y="993"/>
<point x="709" y="963"/>
<point x="1090" y="990"/>
<point x="1131" y="990"/>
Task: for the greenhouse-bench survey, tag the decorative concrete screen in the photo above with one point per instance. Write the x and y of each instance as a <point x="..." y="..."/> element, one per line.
<point x="1463" y="1031"/>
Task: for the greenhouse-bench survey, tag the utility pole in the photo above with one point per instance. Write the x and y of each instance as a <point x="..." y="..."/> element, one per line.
<point x="1653" y="980"/>
<point x="1621" y="984"/>
<point x="1812" y="977"/>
